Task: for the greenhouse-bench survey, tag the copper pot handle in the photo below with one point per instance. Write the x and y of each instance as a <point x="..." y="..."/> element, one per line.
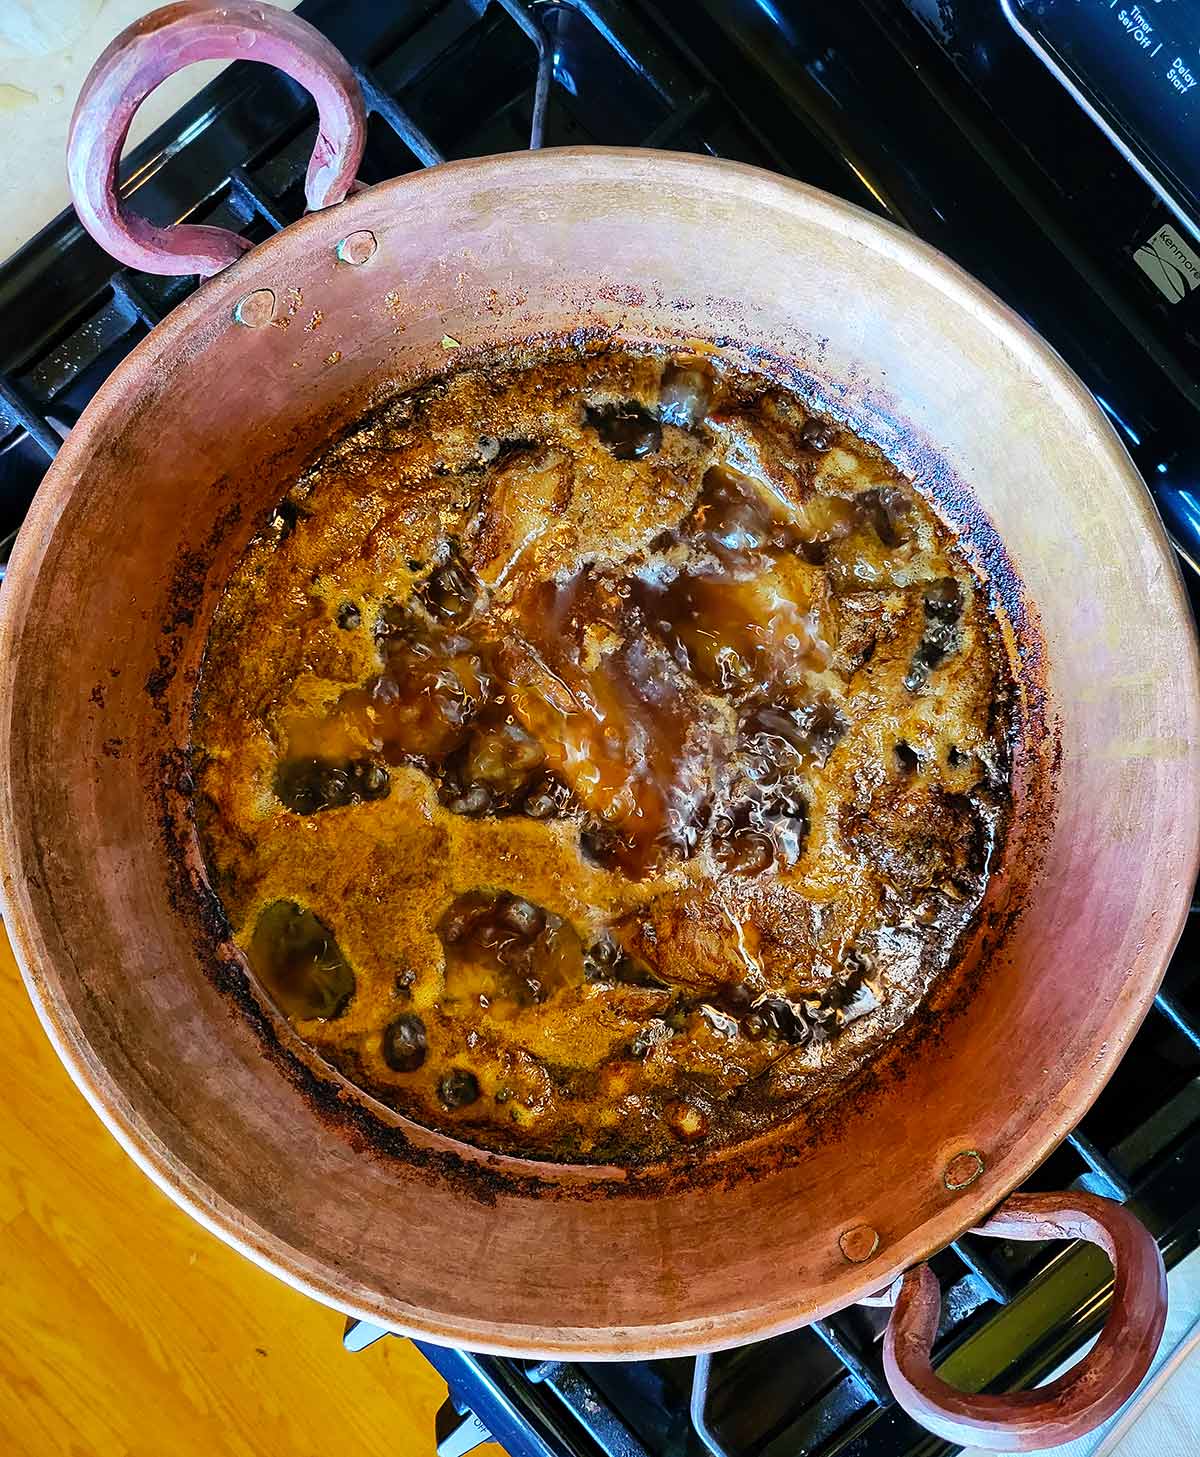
<point x="1083" y="1397"/>
<point x="142" y="57"/>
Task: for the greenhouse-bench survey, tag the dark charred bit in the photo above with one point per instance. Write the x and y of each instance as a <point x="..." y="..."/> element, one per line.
<point x="371" y="780"/>
<point x="471" y="803"/>
<point x="908" y="761"/>
<point x="941" y="637"/>
<point x="450" y="593"/>
<point x="600" y="960"/>
<point x="349" y="616"/>
<point x="736" y="998"/>
<point x="851" y="996"/>
<point x="885" y="510"/>
<point x="943" y="601"/>
<point x="308" y="786"/>
<point x="283" y="519"/>
<point x="606" y="961"/>
<point x="547" y="798"/>
<point x="459" y="1088"/>
<point x="818" y="435"/>
<point x="790" y="1021"/>
<point x="629" y="431"/>
<point x="970" y="815"/>
<point x="677" y="1017"/>
<point x="857" y="964"/>
<point x="600" y="843"/>
<point x="514" y="445"/>
<point x="405" y="1043"/>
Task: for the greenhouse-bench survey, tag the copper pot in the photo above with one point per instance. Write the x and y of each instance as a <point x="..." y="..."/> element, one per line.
<point x="102" y="624"/>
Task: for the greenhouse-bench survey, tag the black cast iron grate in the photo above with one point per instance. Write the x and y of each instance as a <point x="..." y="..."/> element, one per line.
<point x="451" y="78"/>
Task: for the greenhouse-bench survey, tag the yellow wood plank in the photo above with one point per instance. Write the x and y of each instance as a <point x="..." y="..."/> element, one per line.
<point x="126" y="1329"/>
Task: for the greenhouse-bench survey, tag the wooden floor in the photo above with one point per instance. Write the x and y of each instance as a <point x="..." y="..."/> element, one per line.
<point x="125" y="1328"/>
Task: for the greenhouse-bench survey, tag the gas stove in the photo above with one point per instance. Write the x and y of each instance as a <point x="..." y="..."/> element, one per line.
<point x="1050" y="148"/>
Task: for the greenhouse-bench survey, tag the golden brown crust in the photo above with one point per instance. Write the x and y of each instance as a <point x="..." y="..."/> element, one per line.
<point x="601" y="757"/>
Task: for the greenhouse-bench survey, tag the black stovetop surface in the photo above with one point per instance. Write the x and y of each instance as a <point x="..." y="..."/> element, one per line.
<point x="932" y="113"/>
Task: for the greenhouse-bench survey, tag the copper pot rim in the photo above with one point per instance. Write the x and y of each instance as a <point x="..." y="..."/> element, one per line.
<point x="318" y="1279"/>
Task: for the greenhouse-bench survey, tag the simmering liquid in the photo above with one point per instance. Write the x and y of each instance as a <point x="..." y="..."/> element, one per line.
<point x="601" y="758"/>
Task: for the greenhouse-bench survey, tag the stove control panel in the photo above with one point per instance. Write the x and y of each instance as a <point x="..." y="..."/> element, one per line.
<point x="1135" y="68"/>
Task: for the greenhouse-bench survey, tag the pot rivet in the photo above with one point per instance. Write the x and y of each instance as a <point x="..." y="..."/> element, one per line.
<point x="963" y="1169"/>
<point x="858" y="1243"/>
<point x="356" y="248"/>
<point x="255" y="309"/>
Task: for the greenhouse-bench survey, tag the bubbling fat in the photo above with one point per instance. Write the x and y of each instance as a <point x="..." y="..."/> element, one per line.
<point x="602" y="758"/>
